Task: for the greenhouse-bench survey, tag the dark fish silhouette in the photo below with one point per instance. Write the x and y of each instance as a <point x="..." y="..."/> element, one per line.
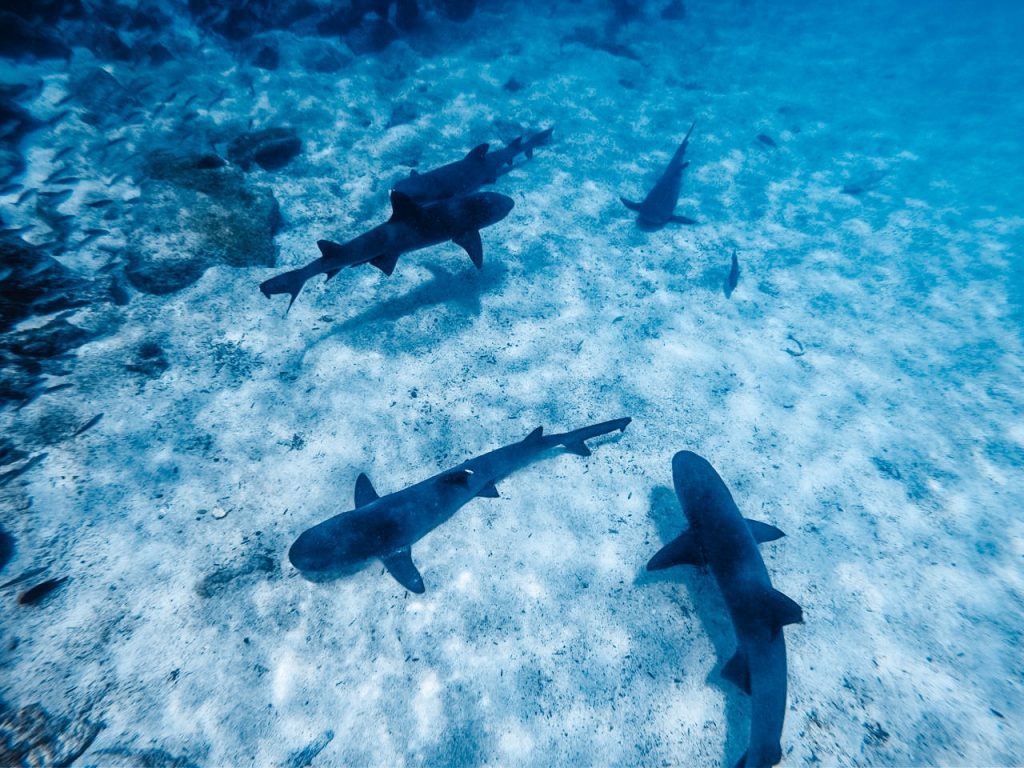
<point x="658" y="208"/>
<point x="40" y="592"/>
<point x="734" y="276"/>
<point x="386" y="527"/>
<point x="410" y="228"/>
<point x="720" y="538"/>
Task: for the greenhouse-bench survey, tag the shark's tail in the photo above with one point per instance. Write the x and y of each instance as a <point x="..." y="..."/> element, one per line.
<point x="537" y="140"/>
<point x="575" y="441"/>
<point x="287" y="282"/>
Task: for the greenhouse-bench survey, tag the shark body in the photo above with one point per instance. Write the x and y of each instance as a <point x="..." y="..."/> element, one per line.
<point x="386" y="527"/>
<point x="723" y="540"/>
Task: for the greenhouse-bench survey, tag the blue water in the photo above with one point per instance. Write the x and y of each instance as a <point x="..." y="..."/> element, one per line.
<point x="167" y="432"/>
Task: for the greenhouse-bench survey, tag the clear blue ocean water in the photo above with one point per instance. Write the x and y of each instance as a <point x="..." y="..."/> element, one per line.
<point x="853" y="376"/>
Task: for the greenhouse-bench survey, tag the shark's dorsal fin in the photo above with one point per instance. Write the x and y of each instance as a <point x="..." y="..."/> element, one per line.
<point x="737" y="671"/>
<point x="682" y="550"/>
<point x="403" y="207"/>
<point x="470" y="241"/>
<point x="364" y="491"/>
<point x="535" y="436"/>
<point x="457" y="476"/>
<point x="400" y="565"/>
<point x="385" y="262"/>
<point x="478" y="152"/>
<point x="763" y="532"/>
<point x="782" y="610"/>
<point x="489" y="491"/>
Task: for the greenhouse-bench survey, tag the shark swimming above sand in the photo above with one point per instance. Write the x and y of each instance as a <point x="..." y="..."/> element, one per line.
<point x="481" y="165"/>
<point x="410" y="228"/>
<point x="658" y="208"/>
<point x="722" y="539"/>
<point x="386" y="527"/>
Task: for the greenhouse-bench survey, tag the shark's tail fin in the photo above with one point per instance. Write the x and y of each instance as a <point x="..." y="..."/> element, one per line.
<point x="537" y="140"/>
<point x="287" y="282"/>
<point x="575" y="441"/>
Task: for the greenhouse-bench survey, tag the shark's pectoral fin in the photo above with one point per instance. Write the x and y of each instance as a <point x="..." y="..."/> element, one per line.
<point x="630" y="204"/>
<point x="385" y="262"/>
<point x="470" y="241"/>
<point x="682" y="550"/>
<point x="737" y="671"/>
<point x="457" y="477"/>
<point x="401" y="566"/>
<point x="364" y="491"/>
<point x="681" y="219"/>
<point x="782" y="610"/>
<point x="489" y="491"/>
<point x="330" y="273"/>
<point x="763" y="532"/>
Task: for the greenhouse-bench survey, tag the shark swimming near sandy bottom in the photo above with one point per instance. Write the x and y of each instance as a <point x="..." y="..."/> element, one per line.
<point x="481" y="165"/>
<point x="722" y="539"/>
<point x="658" y="208"/>
<point x="410" y="228"/>
<point x="386" y="527"/>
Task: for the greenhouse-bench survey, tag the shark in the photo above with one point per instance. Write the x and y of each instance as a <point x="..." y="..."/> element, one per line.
<point x="658" y="208"/>
<point x="386" y="527"/>
<point x="720" y="538"/>
<point x="481" y="165"/>
<point x="410" y="228"/>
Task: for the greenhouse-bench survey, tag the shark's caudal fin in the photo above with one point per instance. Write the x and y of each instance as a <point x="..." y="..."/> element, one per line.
<point x="401" y="566"/>
<point x="287" y="282"/>
<point x="575" y="441"/>
<point x="536" y="141"/>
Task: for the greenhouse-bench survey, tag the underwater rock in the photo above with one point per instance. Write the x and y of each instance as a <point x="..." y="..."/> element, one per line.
<point x="32" y="736"/>
<point x="103" y="97"/>
<point x="122" y="757"/>
<point x="270" y="148"/>
<point x="149" y="360"/>
<point x="456" y="10"/>
<point x="195" y="212"/>
<point x="20" y="38"/>
<point x="267" y="57"/>
<point x="218" y="581"/>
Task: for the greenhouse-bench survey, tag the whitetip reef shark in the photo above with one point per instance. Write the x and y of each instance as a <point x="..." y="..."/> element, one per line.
<point x="386" y="527"/>
<point x="658" y="208"/>
<point x="410" y="228"/>
<point x="722" y="539"/>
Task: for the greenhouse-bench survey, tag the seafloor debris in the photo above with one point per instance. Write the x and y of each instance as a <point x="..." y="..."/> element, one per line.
<point x="32" y="736"/>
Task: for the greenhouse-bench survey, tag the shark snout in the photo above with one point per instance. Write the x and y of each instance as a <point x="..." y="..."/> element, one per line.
<point x="493" y="207"/>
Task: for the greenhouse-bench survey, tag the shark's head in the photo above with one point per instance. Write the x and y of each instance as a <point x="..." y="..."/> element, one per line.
<point x="333" y="548"/>
<point x="486" y="208"/>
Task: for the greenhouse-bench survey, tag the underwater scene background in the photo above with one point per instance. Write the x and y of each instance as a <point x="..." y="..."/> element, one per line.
<point x="167" y="432"/>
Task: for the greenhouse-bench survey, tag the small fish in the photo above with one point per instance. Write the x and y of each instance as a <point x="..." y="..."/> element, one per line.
<point x="218" y="98"/>
<point x="58" y="117"/>
<point x="62" y="152"/>
<point x="67" y="180"/>
<point x="56" y="172"/>
<point x="116" y="178"/>
<point x="768" y="141"/>
<point x="39" y="592"/>
<point x="24" y="577"/>
<point x="103" y="203"/>
<point x="734" y="277"/>
<point x="8" y="189"/>
<point x="114" y="141"/>
<point x="88" y="425"/>
<point x="865" y="183"/>
<point x="24" y="196"/>
<point x="190" y="100"/>
<point x="90" y="235"/>
<point x="57" y="388"/>
<point x="55" y="198"/>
